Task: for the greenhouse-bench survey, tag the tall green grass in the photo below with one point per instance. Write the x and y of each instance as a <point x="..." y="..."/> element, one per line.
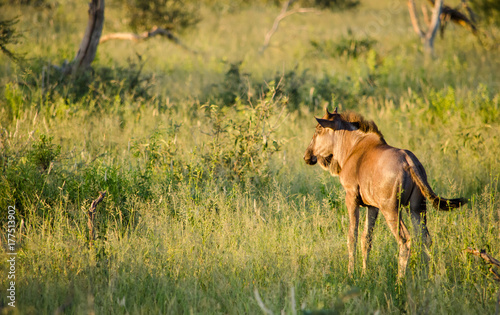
<point x="201" y="156"/>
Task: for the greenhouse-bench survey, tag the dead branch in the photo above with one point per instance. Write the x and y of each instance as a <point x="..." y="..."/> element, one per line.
<point x="457" y="17"/>
<point x="91" y="216"/>
<point x="495" y="263"/>
<point x="146" y="35"/>
<point x="414" y="19"/>
<point x="283" y="14"/>
<point x="488" y="259"/>
<point x="262" y="306"/>
<point x="427" y="19"/>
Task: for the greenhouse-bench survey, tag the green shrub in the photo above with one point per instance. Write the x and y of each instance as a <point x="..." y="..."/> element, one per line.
<point x="241" y="147"/>
<point x="349" y="47"/>
<point x="8" y="36"/>
<point x="331" y="4"/>
<point x="98" y="90"/>
<point x="488" y="10"/>
<point x="43" y="152"/>
<point x="173" y="15"/>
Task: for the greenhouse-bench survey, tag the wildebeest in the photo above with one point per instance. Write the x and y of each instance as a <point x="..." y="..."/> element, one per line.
<point x="377" y="176"/>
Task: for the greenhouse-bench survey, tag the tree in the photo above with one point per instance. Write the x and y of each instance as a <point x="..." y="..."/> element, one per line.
<point x="429" y="35"/>
<point x="487" y="10"/>
<point x="441" y="15"/>
<point x="149" y="18"/>
<point x="171" y="14"/>
<point x="88" y="47"/>
<point x="9" y="35"/>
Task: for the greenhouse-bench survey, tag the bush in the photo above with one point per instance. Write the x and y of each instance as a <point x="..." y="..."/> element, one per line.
<point x="331" y="4"/>
<point x="488" y="10"/>
<point x="8" y="36"/>
<point x="295" y="88"/>
<point x="100" y="89"/>
<point x="241" y="147"/>
<point x="346" y="46"/>
<point x="235" y="85"/>
<point x="175" y="15"/>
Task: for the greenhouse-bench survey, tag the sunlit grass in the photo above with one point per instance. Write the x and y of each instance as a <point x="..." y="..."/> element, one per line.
<point x="180" y="230"/>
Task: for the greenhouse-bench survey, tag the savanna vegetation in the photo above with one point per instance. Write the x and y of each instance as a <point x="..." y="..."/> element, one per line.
<point x="200" y="153"/>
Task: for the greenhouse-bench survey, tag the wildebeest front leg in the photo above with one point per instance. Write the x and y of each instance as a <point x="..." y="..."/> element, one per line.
<point x="352" y="237"/>
<point x="366" y="240"/>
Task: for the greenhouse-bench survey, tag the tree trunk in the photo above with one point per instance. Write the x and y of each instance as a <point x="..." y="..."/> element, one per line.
<point x="88" y="47"/>
<point x="429" y="35"/>
<point x="433" y="27"/>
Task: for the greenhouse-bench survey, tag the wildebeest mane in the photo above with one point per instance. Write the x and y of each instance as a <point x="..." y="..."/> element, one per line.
<point x="361" y="123"/>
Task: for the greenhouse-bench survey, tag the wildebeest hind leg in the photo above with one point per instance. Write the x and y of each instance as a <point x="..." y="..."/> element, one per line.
<point x="418" y="210"/>
<point x="402" y="236"/>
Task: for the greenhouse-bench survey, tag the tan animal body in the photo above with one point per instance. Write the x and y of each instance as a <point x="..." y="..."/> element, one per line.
<point x="377" y="176"/>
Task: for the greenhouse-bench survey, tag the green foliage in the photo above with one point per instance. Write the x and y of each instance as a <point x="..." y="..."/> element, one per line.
<point x="235" y="85"/>
<point x="331" y="4"/>
<point x="9" y="36"/>
<point x="173" y="15"/>
<point x="349" y="47"/>
<point x="488" y="10"/>
<point x="208" y="197"/>
<point x="13" y="100"/>
<point x="100" y="89"/>
<point x="322" y="4"/>
<point x="34" y="3"/>
<point x="241" y="147"/>
<point x="43" y="152"/>
<point x="299" y="88"/>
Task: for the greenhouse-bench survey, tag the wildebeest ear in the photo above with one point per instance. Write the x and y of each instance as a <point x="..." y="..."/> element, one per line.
<point x="335" y="111"/>
<point x="325" y="123"/>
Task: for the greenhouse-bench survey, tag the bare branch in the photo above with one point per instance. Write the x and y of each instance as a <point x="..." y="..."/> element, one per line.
<point x="280" y="17"/>
<point x="482" y="253"/>
<point x="472" y="16"/>
<point x="457" y="17"/>
<point x="427" y="19"/>
<point x="414" y="19"/>
<point x="91" y="215"/>
<point x="146" y="35"/>
<point x="429" y="35"/>
<point x="261" y="303"/>
<point x="488" y="259"/>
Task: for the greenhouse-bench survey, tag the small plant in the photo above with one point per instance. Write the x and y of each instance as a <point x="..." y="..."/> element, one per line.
<point x="156" y="157"/>
<point x="241" y="147"/>
<point x="43" y="152"/>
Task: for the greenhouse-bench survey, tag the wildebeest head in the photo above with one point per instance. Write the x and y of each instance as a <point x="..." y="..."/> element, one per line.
<point x="321" y="147"/>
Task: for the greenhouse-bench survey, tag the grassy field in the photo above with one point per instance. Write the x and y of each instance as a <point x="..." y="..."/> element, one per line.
<point x="208" y="197"/>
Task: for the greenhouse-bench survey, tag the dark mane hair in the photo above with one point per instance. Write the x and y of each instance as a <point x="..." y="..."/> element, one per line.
<point x="361" y="123"/>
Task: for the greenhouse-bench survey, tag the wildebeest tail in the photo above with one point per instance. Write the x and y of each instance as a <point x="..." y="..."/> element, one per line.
<point x="417" y="173"/>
